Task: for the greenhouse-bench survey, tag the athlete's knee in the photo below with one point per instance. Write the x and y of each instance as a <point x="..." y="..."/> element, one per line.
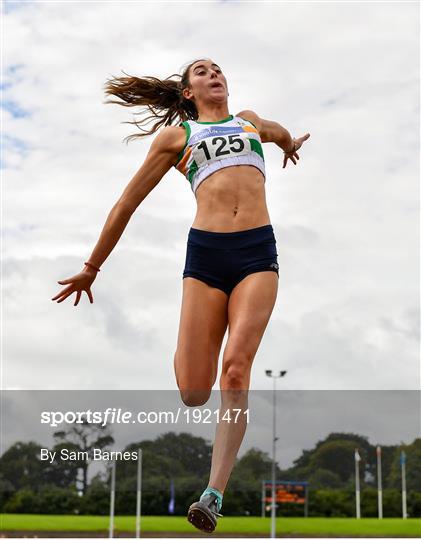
<point x="194" y="398"/>
<point x="236" y="372"/>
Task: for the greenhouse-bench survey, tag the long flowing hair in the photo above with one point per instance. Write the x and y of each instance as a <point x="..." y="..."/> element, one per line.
<point x="162" y="98"/>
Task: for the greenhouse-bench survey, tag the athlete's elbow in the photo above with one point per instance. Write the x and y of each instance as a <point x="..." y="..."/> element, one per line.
<point x="274" y="133"/>
<point x="127" y="205"/>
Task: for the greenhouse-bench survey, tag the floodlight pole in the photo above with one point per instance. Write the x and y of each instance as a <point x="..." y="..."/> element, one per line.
<point x="138" y="491"/>
<point x="112" y="501"/>
<point x="274" y="439"/>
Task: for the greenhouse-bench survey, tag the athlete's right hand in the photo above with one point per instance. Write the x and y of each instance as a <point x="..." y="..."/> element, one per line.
<point x="77" y="283"/>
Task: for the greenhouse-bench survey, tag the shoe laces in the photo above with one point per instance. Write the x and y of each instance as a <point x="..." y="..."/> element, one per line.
<point x="216" y="503"/>
<point x="216" y="512"/>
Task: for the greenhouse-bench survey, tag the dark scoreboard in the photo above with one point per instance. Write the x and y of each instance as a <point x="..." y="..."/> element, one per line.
<point x="287" y="492"/>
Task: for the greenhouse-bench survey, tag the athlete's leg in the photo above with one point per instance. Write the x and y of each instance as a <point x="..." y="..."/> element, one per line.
<point x="249" y="308"/>
<point x="203" y="322"/>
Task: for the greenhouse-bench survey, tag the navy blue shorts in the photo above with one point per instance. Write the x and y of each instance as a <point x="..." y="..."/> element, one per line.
<point x="223" y="259"/>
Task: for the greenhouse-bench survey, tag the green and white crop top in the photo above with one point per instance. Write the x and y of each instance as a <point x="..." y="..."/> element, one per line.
<point x="214" y="145"/>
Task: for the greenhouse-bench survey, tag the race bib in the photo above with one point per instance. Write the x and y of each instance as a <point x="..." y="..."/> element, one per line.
<point x="221" y="146"/>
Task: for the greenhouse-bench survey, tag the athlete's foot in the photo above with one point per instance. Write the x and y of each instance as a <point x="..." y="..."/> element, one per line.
<point x="204" y="513"/>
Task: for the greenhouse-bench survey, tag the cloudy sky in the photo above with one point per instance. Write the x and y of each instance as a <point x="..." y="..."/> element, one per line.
<point x="346" y="218"/>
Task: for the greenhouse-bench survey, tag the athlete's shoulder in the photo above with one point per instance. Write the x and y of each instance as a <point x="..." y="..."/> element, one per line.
<point x="171" y="138"/>
<point x="252" y="117"/>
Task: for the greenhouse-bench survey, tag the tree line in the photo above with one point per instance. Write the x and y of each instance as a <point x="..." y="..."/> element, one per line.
<point x="29" y="485"/>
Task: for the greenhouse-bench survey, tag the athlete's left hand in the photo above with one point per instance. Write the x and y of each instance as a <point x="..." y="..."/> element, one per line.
<point x="293" y="154"/>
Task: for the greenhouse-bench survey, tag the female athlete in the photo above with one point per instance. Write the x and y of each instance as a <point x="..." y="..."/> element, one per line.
<point x="230" y="279"/>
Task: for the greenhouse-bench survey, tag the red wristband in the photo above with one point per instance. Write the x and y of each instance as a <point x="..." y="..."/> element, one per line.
<point x="92" y="266"/>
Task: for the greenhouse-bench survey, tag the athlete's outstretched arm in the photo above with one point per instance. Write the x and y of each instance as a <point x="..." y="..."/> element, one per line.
<point x="161" y="156"/>
<point x="270" y="131"/>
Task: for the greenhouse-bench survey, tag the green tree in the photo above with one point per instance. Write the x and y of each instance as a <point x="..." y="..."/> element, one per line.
<point x="84" y="437"/>
<point x="337" y="457"/>
<point x="323" y="478"/>
<point x="96" y="500"/>
<point x="22" y="467"/>
<point x="335" y="454"/>
<point x="413" y="467"/>
<point x="23" y="501"/>
<point x="62" y="473"/>
<point x="193" y="453"/>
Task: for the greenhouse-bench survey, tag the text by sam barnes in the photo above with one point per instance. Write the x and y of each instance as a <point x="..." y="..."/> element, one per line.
<point x="96" y="454"/>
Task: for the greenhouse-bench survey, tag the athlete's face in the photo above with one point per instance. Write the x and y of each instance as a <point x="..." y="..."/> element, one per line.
<point x="207" y="83"/>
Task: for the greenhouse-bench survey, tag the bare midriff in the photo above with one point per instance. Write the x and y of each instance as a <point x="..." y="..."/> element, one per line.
<point x="232" y="199"/>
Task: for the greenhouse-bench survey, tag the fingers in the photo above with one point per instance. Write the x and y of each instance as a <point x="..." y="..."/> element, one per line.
<point x="64" y="291"/>
<point x="292" y="158"/>
<point x="91" y="298"/>
<point x="78" y="295"/>
<point x="304" y="137"/>
<point x="64" y="296"/>
<point x="66" y="281"/>
<point x="295" y="156"/>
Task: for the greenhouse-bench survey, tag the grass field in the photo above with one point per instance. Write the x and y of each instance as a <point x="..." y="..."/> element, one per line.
<point x="323" y="527"/>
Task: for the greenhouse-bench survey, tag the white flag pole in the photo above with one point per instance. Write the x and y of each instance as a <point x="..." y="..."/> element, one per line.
<point x="112" y="501"/>
<point x="138" y="491"/>
<point x="379" y="482"/>
<point x="357" y="484"/>
<point x="403" y="462"/>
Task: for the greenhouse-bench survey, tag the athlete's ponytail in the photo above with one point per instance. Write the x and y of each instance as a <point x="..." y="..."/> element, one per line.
<point x="162" y="98"/>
